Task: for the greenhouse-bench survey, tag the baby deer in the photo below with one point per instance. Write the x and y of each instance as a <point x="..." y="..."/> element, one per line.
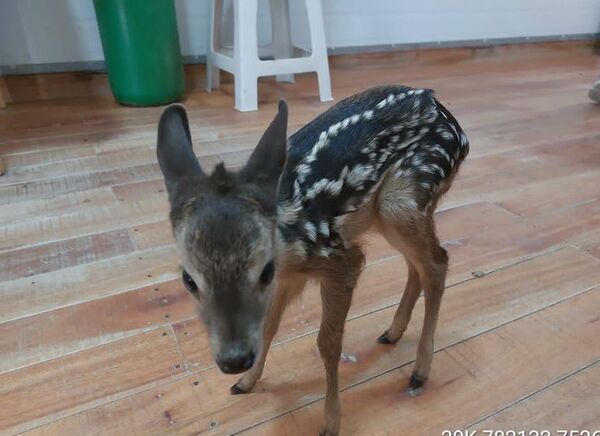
<point x="250" y="240"/>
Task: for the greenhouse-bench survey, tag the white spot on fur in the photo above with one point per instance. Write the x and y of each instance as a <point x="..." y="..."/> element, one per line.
<point x="359" y="174"/>
<point x="311" y="231"/>
<point x="320" y="186"/>
<point x="302" y="170"/>
<point x="438" y="149"/>
<point x="333" y="187"/>
<point x="453" y="127"/>
<point x="439" y="170"/>
<point x="446" y="135"/>
<point x="324" y="228"/>
<point x="289" y="212"/>
<point x="324" y="251"/>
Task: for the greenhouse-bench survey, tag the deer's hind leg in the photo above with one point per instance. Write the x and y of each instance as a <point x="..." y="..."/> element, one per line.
<point x="412" y="231"/>
<point x="411" y="293"/>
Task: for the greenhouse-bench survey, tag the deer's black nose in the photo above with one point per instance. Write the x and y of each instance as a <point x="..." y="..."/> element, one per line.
<point x="236" y="363"/>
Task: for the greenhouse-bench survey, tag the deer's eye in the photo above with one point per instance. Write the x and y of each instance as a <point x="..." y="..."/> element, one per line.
<point x="189" y="282"/>
<point x="267" y="274"/>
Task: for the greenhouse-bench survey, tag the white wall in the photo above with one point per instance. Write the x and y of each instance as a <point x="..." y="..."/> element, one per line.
<point x="51" y="31"/>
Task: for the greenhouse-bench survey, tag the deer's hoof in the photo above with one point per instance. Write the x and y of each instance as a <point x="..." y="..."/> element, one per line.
<point x="237" y="390"/>
<point x="415" y="386"/>
<point x="385" y="339"/>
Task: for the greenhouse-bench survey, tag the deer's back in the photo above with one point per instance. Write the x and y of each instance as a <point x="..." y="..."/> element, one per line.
<point x="337" y="162"/>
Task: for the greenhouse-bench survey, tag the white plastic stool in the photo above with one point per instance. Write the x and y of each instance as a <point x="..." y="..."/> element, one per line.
<point x="244" y="63"/>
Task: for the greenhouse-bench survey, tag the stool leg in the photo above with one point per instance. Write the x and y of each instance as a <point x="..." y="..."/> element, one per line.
<point x="319" y="47"/>
<point x="245" y="55"/>
<point x="282" y="35"/>
<point x="212" y="73"/>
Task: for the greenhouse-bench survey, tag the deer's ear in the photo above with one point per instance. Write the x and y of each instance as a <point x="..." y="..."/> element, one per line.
<point x="174" y="147"/>
<point x="268" y="158"/>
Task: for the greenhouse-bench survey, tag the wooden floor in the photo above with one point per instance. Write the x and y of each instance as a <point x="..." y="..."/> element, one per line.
<point x="98" y="337"/>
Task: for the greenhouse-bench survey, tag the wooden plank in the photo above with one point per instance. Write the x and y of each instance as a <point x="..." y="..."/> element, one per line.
<point x="463" y="71"/>
<point x="570" y="404"/>
<point x="68" y="286"/>
<point x="45" y="189"/>
<point x="66" y="204"/>
<point x="498" y="247"/>
<point x="135" y="191"/>
<point x="82" y="222"/>
<point x="28" y="174"/>
<point x="470" y="309"/>
<point x="71" y="383"/>
<point x="524" y="168"/>
<point x="44" y="258"/>
<point x="565" y="224"/>
<point x="533" y="199"/>
<point x="589" y="242"/>
<point x="62" y="331"/>
<point x="57" y="154"/>
<point x="470" y="379"/>
<point x="151" y="235"/>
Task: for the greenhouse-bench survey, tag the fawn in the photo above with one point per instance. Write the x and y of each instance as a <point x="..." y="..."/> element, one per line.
<point x="249" y="240"/>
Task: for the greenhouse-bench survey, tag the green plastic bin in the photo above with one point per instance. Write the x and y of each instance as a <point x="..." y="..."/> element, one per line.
<point x="141" y="49"/>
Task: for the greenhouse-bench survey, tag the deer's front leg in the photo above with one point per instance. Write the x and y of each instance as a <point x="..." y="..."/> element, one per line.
<point x="287" y="289"/>
<point x="336" y="295"/>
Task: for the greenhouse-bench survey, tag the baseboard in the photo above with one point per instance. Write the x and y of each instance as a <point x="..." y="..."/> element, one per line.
<point x="99" y="66"/>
